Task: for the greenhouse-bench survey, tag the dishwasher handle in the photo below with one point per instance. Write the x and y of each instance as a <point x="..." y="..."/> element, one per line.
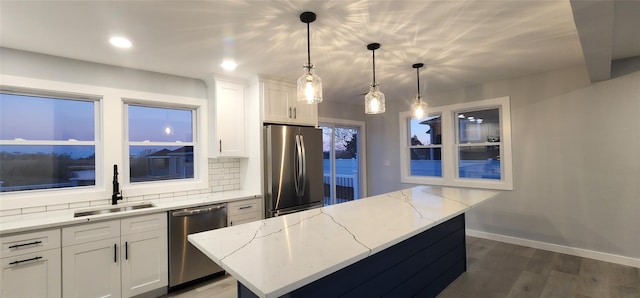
<point x="196" y="211"/>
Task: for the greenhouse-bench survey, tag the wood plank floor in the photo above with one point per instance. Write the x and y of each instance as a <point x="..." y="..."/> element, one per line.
<point x="497" y="269"/>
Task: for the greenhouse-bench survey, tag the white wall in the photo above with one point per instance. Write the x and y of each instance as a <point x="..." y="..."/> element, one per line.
<point x="46" y="67"/>
<point x="575" y="160"/>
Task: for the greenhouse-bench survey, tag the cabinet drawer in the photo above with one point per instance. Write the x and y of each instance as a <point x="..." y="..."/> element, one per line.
<point x="32" y="275"/>
<point x="144" y="223"/>
<point x="30" y="242"/>
<point x="244" y="218"/>
<point x="245" y="206"/>
<point x="90" y="232"/>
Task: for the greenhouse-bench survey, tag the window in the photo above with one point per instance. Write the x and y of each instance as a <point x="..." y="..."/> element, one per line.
<point x="161" y="143"/>
<point x="478" y="134"/>
<point x="425" y="146"/>
<point x="478" y="144"/>
<point x="46" y="142"/>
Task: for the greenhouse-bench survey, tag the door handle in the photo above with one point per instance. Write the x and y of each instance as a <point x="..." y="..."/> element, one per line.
<point x="304" y="166"/>
<point x="126" y="250"/>
<point x="299" y="166"/>
<point x="115" y="253"/>
<point x="295" y="113"/>
<point x="197" y="211"/>
<point x="220" y="146"/>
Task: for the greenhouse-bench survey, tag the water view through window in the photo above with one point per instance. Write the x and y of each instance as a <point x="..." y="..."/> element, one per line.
<point x="46" y="142"/>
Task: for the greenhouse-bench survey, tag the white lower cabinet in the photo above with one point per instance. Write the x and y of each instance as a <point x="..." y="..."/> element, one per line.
<point x="118" y="258"/>
<point x="244" y="211"/>
<point x="91" y="269"/>
<point x="144" y="267"/>
<point x="31" y="265"/>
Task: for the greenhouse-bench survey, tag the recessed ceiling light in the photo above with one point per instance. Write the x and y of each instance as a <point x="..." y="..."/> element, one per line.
<point x="229" y="64"/>
<point x="120" y="42"/>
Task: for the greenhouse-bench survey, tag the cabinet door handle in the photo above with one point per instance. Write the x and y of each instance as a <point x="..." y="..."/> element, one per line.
<point x="115" y="253"/>
<point x="126" y="250"/>
<point x="25" y="244"/>
<point x="27" y="260"/>
<point x="220" y="146"/>
<point x="289" y="113"/>
<point x="245" y="207"/>
<point x="295" y="113"/>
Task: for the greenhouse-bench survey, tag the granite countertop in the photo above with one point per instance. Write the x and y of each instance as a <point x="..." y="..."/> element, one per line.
<point x="275" y="256"/>
<point x="60" y="218"/>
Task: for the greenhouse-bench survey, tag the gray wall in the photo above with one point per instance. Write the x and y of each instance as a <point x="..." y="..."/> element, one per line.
<point x="46" y="67"/>
<point x="329" y="109"/>
<point x="575" y="160"/>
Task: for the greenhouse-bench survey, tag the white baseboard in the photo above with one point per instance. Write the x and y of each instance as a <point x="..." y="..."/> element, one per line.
<point x="601" y="256"/>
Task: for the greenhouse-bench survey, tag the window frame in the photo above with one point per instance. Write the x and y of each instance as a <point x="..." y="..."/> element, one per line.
<point x="199" y="141"/>
<point x="128" y="143"/>
<point x="450" y="146"/>
<point x="95" y="142"/>
<point x="110" y="147"/>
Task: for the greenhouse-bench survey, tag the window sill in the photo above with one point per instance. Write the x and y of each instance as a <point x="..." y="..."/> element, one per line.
<point x="469" y="183"/>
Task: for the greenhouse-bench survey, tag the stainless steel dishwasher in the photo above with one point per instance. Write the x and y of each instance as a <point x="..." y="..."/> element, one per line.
<point x="186" y="262"/>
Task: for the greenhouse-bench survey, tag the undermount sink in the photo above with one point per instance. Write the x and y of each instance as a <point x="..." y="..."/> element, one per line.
<point x="111" y="209"/>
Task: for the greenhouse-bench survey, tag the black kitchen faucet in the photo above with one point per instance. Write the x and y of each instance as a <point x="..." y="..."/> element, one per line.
<point x="116" y="187"/>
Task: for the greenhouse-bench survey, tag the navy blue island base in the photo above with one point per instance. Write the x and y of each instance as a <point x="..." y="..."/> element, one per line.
<point x="421" y="266"/>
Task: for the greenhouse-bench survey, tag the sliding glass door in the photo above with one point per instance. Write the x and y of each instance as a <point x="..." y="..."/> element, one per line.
<point x="342" y="173"/>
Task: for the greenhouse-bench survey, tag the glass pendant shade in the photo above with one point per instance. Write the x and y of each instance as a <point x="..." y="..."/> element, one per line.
<point x="419" y="108"/>
<point x="309" y="87"/>
<point x="374" y="101"/>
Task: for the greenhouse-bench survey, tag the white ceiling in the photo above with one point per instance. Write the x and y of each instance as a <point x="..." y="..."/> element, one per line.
<point x="461" y="42"/>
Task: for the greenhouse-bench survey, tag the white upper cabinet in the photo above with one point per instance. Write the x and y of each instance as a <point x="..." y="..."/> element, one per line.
<point x="279" y="105"/>
<point x="226" y="118"/>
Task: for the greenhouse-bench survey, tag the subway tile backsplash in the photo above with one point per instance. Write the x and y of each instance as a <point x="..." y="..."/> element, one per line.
<point x="224" y="175"/>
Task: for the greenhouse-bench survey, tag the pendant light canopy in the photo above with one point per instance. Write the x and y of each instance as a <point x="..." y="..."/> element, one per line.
<point x="419" y="106"/>
<point x="309" y="84"/>
<point x="374" y="100"/>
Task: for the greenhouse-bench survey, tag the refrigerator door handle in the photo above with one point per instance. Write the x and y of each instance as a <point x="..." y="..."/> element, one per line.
<point x="296" y="166"/>
<point x="303" y="175"/>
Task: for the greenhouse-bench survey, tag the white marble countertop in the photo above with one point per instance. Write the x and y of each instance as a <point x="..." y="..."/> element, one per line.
<point x="275" y="256"/>
<point x="60" y="218"/>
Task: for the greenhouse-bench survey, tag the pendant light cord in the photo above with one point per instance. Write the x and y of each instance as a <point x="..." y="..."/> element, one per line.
<point x="418" y="75"/>
<point x="374" y="67"/>
<point x="308" y="48"/>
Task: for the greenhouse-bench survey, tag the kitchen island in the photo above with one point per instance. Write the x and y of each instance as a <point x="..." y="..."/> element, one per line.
<point x="408" y="242"/>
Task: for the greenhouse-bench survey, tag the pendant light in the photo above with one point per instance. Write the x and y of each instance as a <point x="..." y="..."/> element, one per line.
<point x="309" y="84"/>
<point x="419" y="106"/>
<point x="374" y="100"/>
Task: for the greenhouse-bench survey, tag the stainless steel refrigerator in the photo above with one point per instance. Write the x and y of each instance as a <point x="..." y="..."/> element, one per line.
<point x="293" y="169"/>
